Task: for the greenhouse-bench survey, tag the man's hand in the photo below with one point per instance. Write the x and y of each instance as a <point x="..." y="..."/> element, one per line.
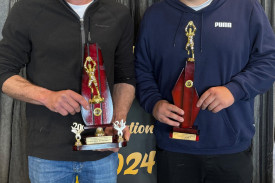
<point x="164" y="111"/>
<point x="215" y="99"/>
<point x="65" y="102"/>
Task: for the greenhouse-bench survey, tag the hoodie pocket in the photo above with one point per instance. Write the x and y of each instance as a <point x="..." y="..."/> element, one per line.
<point x="228" y="123"/>
<point x="216" y="131"/>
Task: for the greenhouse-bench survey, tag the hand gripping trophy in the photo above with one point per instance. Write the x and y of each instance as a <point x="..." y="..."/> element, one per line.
<point x="95" y="89"/>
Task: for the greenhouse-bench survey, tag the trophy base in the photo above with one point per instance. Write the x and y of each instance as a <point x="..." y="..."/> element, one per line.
<point x="99" y="140"/>
<point x="190" y="134"/>
<point x="100" y="146"/>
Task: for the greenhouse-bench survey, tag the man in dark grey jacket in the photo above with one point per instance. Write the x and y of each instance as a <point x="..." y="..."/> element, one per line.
<point x="48" y="37"/>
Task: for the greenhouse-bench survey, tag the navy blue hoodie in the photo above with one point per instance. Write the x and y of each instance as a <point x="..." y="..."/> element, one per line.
<point x="234" y="47"/>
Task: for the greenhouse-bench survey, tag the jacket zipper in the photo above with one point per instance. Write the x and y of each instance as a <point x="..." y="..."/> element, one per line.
<point x="82" y="39"/>
<point x="82" y="29"/>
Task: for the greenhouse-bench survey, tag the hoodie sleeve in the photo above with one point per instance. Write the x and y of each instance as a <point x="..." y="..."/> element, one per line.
<point x="259" y="74"/>
<point x="15" y="45"/>
<point x="147" y="90"/>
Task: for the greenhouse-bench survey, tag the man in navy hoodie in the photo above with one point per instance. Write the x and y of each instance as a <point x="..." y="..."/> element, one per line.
<point x="235" y="61"/>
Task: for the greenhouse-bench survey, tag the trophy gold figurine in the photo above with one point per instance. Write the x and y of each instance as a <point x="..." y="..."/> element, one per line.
<point x="185" y="95"/>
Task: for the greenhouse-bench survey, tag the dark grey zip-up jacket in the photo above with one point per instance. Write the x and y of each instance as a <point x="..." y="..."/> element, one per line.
<point x="46" y="36"/>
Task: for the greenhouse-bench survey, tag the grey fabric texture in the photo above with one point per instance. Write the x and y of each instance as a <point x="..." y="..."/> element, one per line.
<point x="4" y="7"/>
<point x="13" y="124"/>
<point x="13" y="129"/>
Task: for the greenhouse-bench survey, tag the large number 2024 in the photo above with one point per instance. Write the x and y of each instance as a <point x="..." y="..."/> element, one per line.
<point x="136" y="156"/>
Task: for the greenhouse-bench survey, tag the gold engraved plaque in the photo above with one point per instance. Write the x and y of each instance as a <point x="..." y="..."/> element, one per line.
<point x="99" y="140"/>
<point x="184" y="136"/>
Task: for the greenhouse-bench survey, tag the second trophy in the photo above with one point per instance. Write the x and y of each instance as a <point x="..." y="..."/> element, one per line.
<point x="185" y="95"/>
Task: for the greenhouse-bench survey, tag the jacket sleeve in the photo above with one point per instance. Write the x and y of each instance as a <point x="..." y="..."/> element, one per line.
<point x="259" y="74"/>
<point x="124" y="58"/>
<point x="147" y="90"/>
<point x="15" y="46"/>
